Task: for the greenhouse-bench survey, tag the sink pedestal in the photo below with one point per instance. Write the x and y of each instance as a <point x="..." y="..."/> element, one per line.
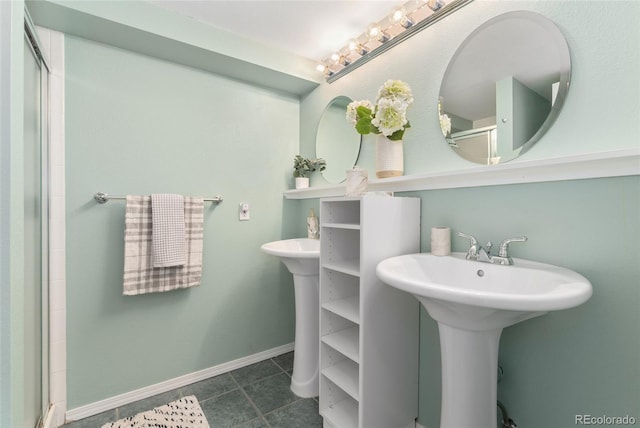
<point x="469" y="342"/>
<point x="302" y="258"/>
<point x="304" y="379"/>
<point x="469" y="377"/>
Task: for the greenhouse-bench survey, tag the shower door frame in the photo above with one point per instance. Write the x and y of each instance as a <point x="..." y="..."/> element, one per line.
<point x="31" y="38"/>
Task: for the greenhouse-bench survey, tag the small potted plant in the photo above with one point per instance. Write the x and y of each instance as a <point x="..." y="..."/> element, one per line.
<point x="303" y="167"/>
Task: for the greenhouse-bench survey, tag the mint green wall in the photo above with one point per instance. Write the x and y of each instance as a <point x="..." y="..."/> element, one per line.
<point x="138" y="125"/>
<point x="14" y="389"/>
<point x="579" y="361"/>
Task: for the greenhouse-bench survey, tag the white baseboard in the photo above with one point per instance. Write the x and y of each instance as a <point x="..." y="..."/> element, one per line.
<point x="149" y="391"/>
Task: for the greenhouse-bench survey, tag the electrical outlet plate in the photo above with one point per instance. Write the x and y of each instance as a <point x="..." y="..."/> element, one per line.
<point x="243" y="212"/>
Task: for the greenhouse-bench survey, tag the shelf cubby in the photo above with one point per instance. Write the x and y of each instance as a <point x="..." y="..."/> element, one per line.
<point x="345" y="341"/>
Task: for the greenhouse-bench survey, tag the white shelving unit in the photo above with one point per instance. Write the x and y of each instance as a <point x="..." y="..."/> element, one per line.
<point x="368" y="330"/>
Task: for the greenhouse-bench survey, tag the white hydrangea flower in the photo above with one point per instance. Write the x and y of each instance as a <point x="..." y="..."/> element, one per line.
<point x="352" y="114"/>
<point x="391" y="116"/>
<point x="396" y="90"/>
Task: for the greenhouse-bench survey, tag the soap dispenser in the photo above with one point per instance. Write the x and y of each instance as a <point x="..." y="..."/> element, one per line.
<point x="312" y="226"/>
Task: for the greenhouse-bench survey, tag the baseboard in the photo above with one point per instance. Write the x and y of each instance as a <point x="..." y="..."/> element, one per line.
<point x="149" y="391"/>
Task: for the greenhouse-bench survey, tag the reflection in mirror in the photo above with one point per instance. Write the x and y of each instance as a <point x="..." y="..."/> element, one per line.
<point x="336" y="141"/>
<point x="504" y="87"/>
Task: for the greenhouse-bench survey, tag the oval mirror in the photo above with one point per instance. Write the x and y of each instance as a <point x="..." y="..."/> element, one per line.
<point x="336" y="141"/>
<point x="504" y="87"/>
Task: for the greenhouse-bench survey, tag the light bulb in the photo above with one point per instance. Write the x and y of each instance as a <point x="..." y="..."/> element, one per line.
<point x="356" y="47"/>
<point x="435" y="4"/>
<point x="399" y="16"/>
<point x="335" y="57"/>
<point x="373" y="31"/>
<point x="376" y="33"/>
<point x="321" y="67"/>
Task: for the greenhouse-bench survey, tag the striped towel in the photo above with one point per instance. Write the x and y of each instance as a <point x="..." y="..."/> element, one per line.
<point x="139" y="274"/>
<point x="168" y="239"/>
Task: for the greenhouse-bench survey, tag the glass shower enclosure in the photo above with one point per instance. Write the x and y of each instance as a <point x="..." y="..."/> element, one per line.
<point x="36" y="231"/>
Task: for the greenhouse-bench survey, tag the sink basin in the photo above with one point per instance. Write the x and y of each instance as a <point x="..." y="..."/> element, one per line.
<point x="468" y="291"/>
<point x="302" y="258"/>
<point x="472" y="302"/>
<point x="300" y="255"/>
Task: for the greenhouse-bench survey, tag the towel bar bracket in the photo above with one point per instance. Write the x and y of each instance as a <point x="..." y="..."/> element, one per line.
<point x="103" y="198"/>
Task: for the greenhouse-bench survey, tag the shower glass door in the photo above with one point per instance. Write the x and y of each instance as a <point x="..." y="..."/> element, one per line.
<point x="36" y="279"/>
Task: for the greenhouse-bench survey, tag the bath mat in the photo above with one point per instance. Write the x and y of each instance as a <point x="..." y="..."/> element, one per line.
<point x="183" y="413"/>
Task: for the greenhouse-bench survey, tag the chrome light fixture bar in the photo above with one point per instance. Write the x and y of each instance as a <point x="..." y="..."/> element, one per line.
<point x="357" y="53"/>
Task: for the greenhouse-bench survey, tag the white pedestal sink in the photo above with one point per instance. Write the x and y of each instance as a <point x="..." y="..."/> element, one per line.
<point x="472" y="302"/>
<point x="302" y="258"/>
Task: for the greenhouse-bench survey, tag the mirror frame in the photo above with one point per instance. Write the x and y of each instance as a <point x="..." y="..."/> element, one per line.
<point x="564" y="69"/>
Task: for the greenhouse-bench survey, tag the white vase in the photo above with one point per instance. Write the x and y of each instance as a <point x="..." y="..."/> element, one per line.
<point x="302" y="182"/>
<point x="389" y="157"/>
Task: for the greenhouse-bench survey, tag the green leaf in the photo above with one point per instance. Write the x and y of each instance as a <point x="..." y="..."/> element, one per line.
<point x="364" y="112"/>
<point x="363" y="126"/>
<point x="397" y="136"/>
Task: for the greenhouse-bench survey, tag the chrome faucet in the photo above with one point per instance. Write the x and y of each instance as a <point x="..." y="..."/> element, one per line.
<point x="482" y="254"/>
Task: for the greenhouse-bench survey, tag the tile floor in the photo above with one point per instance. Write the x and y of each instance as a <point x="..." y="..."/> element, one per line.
<point x="256" y="396"/>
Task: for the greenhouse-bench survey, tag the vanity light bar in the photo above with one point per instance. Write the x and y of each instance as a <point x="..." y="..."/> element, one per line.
<point x="404" y="22"/>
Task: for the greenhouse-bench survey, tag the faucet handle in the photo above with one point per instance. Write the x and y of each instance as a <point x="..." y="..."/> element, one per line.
<point x="471" y="238"/>
<point x="504" y="245"/>
<point x="472" y="253"/>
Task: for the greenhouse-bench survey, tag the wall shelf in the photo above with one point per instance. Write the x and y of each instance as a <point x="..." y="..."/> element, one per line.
<point x="616" y="163"/>
<point x="342" y="414"/>
<point x="346" y="342"/>
<point x="348" y="308"/>
<point x="345" y="375"/>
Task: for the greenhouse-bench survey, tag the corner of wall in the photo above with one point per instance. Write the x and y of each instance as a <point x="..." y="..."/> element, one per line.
<point x="54" y="44"/>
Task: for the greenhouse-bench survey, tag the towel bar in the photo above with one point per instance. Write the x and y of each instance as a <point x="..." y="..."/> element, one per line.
<point x="102" y="198"/>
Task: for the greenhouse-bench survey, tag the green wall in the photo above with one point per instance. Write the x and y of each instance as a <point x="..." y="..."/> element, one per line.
<point x="15" y="392"/>
<point x="579" y="361"/>
<point x="138" y="125"/>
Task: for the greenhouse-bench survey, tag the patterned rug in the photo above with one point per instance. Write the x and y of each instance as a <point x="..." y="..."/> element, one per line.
<point x="183" y="413"/>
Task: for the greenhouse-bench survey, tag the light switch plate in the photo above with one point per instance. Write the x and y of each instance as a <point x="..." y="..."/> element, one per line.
<point x="243" y="212"/>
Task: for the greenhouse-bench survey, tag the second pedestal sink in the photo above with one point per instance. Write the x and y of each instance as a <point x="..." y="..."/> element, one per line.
<point x="302" y="258"/>
<point x="472" y="302"/>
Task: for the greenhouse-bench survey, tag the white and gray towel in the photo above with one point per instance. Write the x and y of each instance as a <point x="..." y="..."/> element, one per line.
<point x="168" y="238"/>
<point x="140" y="276"/>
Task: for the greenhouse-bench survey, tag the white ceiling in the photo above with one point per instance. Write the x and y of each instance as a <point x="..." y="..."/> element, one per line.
<point x="309" y="28"/>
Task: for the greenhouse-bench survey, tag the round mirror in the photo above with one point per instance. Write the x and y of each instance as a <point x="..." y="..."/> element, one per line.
<point x="504" y="87"/>
<point x="336" y="141"/>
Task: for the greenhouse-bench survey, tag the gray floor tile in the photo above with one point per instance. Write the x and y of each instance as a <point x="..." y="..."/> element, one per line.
<point x="228" y="410"/>
<point x="210" y="388"/>
<point x="255" y="372"/>
<point x="266" y="383"/>
<point x="255" y="423"/>
<point x="148" y="403"/>
<point x="94" y="421"/>
<point x="271" y="393"/>
<point x="300" y="414"/>
<point x="285" y="361"/>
